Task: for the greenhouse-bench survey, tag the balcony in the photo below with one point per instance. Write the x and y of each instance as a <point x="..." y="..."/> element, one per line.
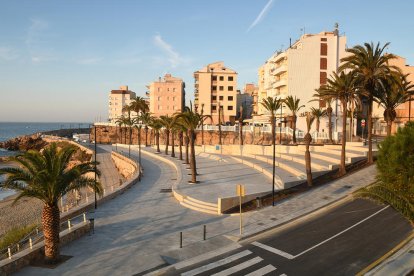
<point x="279" y="70"/>
<point x="280" y="83"/>
<point x="280" y="56"/>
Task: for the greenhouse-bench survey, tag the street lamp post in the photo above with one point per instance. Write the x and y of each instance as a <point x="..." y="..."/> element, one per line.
<point x="274" y="160"/>
<point x="95" y="169"/>
<point x="139" y="152"/>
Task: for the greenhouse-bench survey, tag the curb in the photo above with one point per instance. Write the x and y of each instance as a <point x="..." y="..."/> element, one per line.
<point x="386" y="255"/>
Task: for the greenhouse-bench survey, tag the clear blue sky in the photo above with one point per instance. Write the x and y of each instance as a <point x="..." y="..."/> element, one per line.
<point x="60" y="59"/>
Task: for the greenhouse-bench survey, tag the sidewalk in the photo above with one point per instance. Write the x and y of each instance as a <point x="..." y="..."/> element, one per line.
<point x="139" y="231"/>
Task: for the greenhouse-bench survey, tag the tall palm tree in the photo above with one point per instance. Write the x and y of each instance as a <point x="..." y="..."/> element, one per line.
<point x="139" y="106"/>
<point x="181" y="130"/>
<point x="191" y="120"/>
<point x="156" y="125"/>
<point x="272" y="105"/>
<point x="120" y="121"/>
<point x="343" y="88"/>
<point x="318" y="113"/>
<point x="168" y="123"/>
<point x="371" y="66"/>
<point x="294" y="106"/>
<point x="241" y="126"/>
<point x="308" y="139"/>
<point x="48" y="176"/>
<point x="129" y="122"/>
<point x="146" y="119"/>
<point x="395" y="91"/>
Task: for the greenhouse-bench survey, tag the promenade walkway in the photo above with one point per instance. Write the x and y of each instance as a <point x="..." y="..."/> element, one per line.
<point x="139" y="230"/>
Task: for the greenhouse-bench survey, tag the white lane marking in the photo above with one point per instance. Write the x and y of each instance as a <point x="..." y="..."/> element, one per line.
<point x="221" y="262"/>
<point x="274" y="250"/>
<point x="262" y="271"/>
<point x="290" y="257"/>
<point x="283" y="274"/>
<point x="239" y="267"/>
<point x="340" y="233"/>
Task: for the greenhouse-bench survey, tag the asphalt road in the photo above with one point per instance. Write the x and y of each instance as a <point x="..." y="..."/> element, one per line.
<point x="341" y="241"/>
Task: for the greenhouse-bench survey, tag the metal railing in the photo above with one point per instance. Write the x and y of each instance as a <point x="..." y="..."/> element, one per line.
<point x="37" y="236"/>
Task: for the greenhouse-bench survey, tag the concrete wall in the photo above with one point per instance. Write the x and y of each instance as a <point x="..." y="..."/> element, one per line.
<point x="228" y="203"/>
<point x="125" y="166"/>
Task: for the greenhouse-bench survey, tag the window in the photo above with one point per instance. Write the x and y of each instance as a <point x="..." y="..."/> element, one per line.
<point x="324" y="39"/>
<point x="220" y="98"/>
<point x="158" y="89"/>
<point x="324" y="49"/>
<point x="173" y="89"/>
<point x="221" y="78"/>
<point x="230" y="107"/>
<point x="323" y="77"/>
<point x="168" y="98"/>
<point x="230" y="78"/>
<point x="173" y="98"/>
<point x="230" y="98"/>
<point x="214" y="98"/>
<point x="324" y="63"/>
<point x="159" y="98"/>
<point x="168" y="89"/>
<point x="214" y="108"/>
<point x="221" y="88"/>
<point x="230" y="88"/>
<point x="214" y="88"/>
<point x="214" y="78"/>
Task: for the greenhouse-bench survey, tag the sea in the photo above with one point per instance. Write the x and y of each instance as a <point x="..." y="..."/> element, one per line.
<point x="9" y="130"/>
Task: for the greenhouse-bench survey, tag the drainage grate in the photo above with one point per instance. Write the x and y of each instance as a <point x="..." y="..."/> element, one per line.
<point x="166" y="190"/>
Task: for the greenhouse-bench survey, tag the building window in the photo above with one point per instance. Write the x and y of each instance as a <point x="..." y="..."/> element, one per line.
<point x="214" y="78"/>
<point x="221" y="78"/>
<point x="230" y="88"/>
<point x="323" y="77"/>
<point x="230" y="98"/>
<point x="220" y="98"/>
<point x="324" y="49"/>
<point x="214" y="88"/>
<point x="214" y="108"/>
<point x="173" y="89"/>
<point x="214" y="98"/>
<point x="173" y="98"/>
<point x="168" y="89"/>
<point x="324" y="63"/>
<point x="159" y="98"/>
<point x="230" y="78"/>
<point x="221" y="88"/>
<point x="324" y="39"/>
<point x="230" y="107"/>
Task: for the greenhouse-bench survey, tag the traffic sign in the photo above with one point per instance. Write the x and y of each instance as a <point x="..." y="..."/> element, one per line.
<point x="240" y="190"/>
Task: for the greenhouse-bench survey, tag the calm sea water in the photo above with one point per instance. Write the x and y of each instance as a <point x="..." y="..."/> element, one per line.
<point x="12" y="130"/>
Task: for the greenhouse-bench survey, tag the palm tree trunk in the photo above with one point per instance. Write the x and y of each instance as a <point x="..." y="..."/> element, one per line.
<point x="342" y="169"/>
<point x="187" y="141"/>
<point x="274" y="157"/>
<point x="51" y="229"/>
<point x="370" y="157"/>
<point x="125" y="136"/>
<point x="330" y="127"/>
<point x="192" y="158"/>
<point x="172" y="144"/>
<point x="389" y="125"/>
<point x="157" y="138"/>
<point x="180" y="138"/>
<point x="318" y="122"/>
<point x="241" y="133"/>
<point x="167" y="140"/>
<point x="308" y="140"/>
<point x="146" y="136"/>
<point x="294" y="130"/>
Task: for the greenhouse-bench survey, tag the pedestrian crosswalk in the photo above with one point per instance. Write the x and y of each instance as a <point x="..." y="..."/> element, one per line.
<point x="235" y="264"/>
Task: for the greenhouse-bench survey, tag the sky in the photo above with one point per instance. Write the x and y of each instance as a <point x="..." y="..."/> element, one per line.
<point x="60" y="59"/>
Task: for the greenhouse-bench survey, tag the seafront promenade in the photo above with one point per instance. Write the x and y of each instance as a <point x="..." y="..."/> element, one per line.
<point x="139" y="230"/>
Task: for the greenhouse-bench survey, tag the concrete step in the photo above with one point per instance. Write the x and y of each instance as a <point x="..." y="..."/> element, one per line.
<point x="199" y="209"/>
<point x="200" y="202"/>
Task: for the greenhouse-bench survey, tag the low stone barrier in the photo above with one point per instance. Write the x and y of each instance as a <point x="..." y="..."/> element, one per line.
<point x="227" y="203"/>
<point x="125" y="166"/>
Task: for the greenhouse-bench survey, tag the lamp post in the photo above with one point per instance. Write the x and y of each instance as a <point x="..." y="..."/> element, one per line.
<point x="202" y="125"/>
<point x="95" y="169"/>
<point x="274" y="158"/>
<point x="139" y="151"/>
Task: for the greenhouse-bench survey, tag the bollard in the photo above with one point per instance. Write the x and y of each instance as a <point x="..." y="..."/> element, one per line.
<point x="205" y="232"/>
<point x="84" y="217"/>
<point x="69" y="224"/>
<point x="30" y="243"/>
<point x="104" y="191"/>
<point x="87" y="199"/>
<point x="9" y="252"/>
<point x="18" y="247"/>
<point x="37" y="231"/>
<point x="257" y="202"/>
<point x="92" y="225"/>
<point x="181" y="239"/>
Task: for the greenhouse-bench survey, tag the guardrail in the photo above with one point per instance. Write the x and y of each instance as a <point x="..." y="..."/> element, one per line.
<point x="37" y="236"/>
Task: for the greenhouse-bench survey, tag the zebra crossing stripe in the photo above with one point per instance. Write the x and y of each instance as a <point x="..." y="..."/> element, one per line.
<point x="239" y="267"/>
<point x="262" y="271"/>
<point x="274" y="250"/>
<point x="217" y="264"/>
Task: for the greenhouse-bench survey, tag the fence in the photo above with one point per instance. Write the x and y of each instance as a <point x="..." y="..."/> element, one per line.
<point x="37" y="236"/>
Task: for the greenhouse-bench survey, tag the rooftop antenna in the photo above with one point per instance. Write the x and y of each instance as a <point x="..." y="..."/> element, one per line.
<point x="303" y="31"/>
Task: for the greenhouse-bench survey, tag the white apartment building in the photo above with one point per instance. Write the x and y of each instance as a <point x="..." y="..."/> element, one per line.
<point x="118" y="99"/>
<point x="298" y="71"/>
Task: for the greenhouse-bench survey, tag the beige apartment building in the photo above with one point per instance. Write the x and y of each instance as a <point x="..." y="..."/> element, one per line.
<point x="166" y="96"/>
<point x="403" y="110"/>
<point x="215" y="87"/>
<point x="246" y="99"/>
<point x="299" y="70"/>
<point x="118" y="99"/>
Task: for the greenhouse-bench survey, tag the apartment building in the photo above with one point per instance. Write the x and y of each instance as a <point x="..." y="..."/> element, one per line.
<point x="299" y="70"/>
<point x="118" y="99"/>
<point x="215" y="86"/>
<point x="246" y="99"/>
<point x="166" y="96"/>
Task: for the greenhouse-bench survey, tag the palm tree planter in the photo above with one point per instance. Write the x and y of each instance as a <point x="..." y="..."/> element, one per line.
<point x="47" y="176"/>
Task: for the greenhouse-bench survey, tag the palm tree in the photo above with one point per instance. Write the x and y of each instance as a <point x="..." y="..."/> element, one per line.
<point x="145" y="119"/>
<point x="181" y="130"/>
<point x="156" y="125"/>
<point x="318" y="113"/>
<point x="394" y="92"/>
<point x="272" y="105"/>
<point x="48" y="176"/>
<point x="168" y="123"/>
<point x="371" y="66"/>
<point x="120" y="121"/>
<point x="191" y="120"/>
<point x="343" y="88"/>
<point x="241" y="126"/>
<point x="139" y="106"/>
<point x="308" y="139"/>
<point x="130" y="123"/>
<point x="294" y="106"/>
